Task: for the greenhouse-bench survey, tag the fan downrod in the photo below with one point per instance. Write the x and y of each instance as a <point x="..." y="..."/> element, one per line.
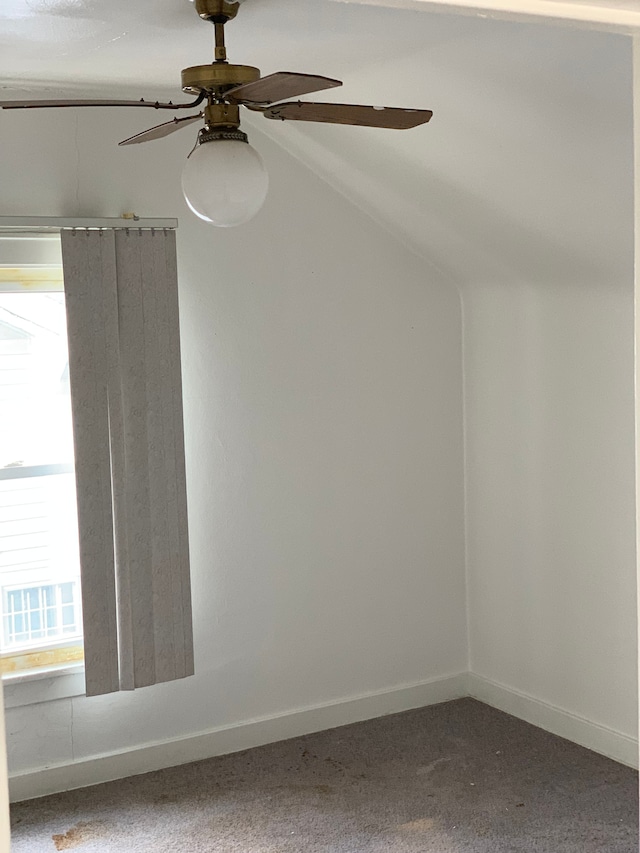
<point x="214" y="79"/>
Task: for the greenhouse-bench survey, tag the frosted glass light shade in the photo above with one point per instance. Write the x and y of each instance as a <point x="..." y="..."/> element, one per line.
<point x="225" y="182"/>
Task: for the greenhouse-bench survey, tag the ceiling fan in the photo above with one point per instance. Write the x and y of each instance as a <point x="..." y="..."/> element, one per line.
<point x="226" y="183"/>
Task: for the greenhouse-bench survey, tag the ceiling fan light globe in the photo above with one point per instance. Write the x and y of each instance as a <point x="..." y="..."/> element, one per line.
<point x="224" y="182"/>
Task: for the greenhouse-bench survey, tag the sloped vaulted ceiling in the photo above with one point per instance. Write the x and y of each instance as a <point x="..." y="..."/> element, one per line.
<point x="524" y="170"/>
<point x="617" y="15"/>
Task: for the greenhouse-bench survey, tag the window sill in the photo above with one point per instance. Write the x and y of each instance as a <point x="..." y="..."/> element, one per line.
<point x="43" y="685"/>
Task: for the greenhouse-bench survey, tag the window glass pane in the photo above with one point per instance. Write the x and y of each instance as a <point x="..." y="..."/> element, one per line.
<point x="19" y="626"/>
<point x="52" y="619"/>
<point x="34" y="380"/>
<point x="36" y="622"/>
<point x="39" y="562"/>
<point x="66" y="593"/>
<point x="68" y="615"/>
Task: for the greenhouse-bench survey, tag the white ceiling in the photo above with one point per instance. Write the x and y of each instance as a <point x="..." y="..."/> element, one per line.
<point x="525" y="172"/>
<point x="525" y="167"/>
<point x="139" y="46"/>
<point x="617" y="15"/>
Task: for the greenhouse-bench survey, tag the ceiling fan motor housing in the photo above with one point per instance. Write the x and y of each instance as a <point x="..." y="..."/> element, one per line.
<point x="217" y="77"/>
<point x="217" y="11"/>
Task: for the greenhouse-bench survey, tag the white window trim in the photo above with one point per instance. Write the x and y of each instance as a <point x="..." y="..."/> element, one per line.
<point x="43" y="685"/>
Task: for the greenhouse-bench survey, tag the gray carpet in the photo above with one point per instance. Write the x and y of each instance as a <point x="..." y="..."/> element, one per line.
<point x="453" y="778"/>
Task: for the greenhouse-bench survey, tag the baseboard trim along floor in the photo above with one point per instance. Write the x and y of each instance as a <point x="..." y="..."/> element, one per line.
<point x="556" y="720"/>
<point x="224" y="740"/>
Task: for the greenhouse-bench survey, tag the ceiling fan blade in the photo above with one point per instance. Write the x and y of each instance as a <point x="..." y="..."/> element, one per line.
<point x="278" y="86"/>
<point x="391" y="117"/>
<point x="161" y="130"/>
<point x="156" y="105"/>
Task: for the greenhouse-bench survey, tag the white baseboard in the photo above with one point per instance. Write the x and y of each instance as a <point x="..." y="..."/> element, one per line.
<point x="224" y="740"/>
<point x="598" y="738"/>
<point x="220" y="741"/>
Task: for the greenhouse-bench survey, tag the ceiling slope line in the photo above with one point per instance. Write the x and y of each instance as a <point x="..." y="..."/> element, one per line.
<point x="345" y="179"/>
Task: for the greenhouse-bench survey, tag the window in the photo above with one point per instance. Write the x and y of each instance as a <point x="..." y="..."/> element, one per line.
<point x="39" y="562"/>
<point x="127" y="496"/>
<point x="36" y="613"/>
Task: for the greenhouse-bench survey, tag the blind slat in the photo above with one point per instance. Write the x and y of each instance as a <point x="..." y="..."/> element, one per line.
<point x="90" y="284"/>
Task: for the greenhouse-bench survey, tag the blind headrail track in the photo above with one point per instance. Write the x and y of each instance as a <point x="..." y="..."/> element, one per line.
<point x="13" y="225"/>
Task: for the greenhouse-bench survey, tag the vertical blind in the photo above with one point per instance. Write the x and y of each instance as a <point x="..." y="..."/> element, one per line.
<point x="124" y="367"/>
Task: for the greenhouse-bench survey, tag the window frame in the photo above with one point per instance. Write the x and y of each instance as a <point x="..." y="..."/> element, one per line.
<point x="65" y="680"/>
<point x="65" y="656"/>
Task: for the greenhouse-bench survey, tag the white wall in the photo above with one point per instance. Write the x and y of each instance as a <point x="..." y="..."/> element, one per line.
<point x="550" y="495"/>
<point x="323" y="407"/>
<point x="520" y="190"/>
<point x="549" y="394"/>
